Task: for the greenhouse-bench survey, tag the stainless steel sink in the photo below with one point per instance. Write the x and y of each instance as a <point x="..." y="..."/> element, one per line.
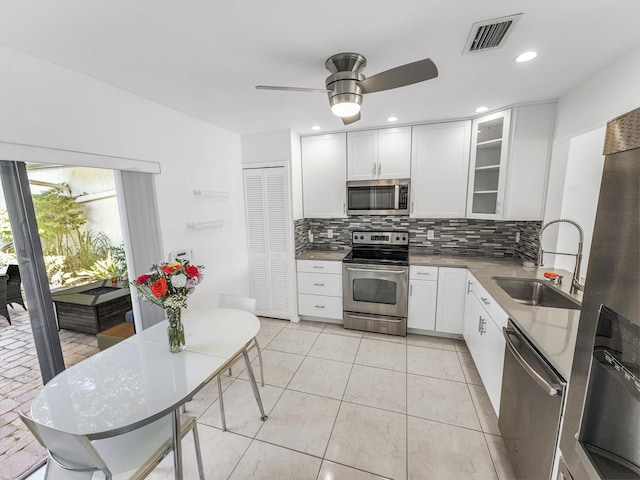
<point x="537" y="293"/>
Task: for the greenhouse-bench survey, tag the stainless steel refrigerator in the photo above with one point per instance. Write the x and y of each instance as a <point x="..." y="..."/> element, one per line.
<point x="600" y="436"/>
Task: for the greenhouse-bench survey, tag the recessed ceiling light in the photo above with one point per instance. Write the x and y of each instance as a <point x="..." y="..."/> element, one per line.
<point x="392" y="119"/>
<point x="481" y="109"/>
<point x="526" y="56"/>
<point x="315" y="127"/>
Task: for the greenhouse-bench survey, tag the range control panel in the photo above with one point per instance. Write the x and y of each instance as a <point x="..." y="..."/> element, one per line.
<point x="373" y="237"/>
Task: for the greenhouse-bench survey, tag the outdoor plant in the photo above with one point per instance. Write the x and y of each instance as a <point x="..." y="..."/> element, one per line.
<point x="103" y="269"/>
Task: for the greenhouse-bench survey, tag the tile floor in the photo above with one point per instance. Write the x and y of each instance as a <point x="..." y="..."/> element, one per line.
<point x="348" y="405"/>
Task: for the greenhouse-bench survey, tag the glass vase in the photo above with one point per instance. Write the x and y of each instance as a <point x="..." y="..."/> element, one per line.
<point x="175" y="330"/>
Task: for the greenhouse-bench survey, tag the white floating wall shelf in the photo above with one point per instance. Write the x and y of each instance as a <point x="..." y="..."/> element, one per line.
<point x="210" y="193"/>
<point x="205" y="224"/>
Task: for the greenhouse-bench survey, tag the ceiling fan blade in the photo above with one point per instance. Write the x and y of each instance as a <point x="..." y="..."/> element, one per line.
<point x="350" y="120"/>
<point x="293" y="89"/>
<point x="400" y="76"/>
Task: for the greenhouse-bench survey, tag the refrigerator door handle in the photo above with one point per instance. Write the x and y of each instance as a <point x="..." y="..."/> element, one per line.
<point x="551" y="389"/>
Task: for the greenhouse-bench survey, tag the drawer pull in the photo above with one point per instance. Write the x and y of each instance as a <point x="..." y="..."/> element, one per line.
<point x="423" y="273"/>
<point x="318" y="284"/>
<point x="318" y="266"/>
<point x="318" y="306"/>
<point x="485" y="301"/>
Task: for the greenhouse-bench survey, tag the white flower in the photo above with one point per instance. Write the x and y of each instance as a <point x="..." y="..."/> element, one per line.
<point x="179" y="280"/>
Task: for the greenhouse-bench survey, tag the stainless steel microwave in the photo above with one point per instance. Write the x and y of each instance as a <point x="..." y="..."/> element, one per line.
<point x="378" y="197"/>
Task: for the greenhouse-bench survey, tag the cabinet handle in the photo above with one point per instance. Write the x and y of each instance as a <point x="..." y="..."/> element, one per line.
<point x="318" y="306"/>
<point x="344" y="207"/>
<point x="379" y="168"/>
<point x="373" y="171"/>
<point x="318" y="266"/>
<point x="469" y="283"/>
<point x="412" y="206"/>
<point x="480" y="324"/>
<point x="318" y="284"/>
<point x="498" y="206"/>
<point x="410" y="290"/>
<point x="423" y="273"/>
<point x="483" y="324"/>
<point x="485" y="301"/>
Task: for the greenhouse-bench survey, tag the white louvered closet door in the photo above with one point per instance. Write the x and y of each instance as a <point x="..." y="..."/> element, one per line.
<point x="269" y="238"/>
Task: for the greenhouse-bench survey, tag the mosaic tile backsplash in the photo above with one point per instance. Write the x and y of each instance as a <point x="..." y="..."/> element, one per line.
<point x="464" y="237"/>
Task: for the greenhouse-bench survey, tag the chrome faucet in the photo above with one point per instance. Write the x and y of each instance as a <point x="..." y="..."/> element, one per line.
<point x="575" y="281"/>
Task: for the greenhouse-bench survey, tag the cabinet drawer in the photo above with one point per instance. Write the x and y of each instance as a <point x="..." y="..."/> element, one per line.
<point x="320" y="306"/>
<point x="318" y="266"/>
<point x="498" y="315"/>
<point x="420" y="272"/>
<point x="320" y="284"/>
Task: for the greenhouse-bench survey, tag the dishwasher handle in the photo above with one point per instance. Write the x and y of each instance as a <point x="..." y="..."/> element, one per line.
<point x="553" y="389"/>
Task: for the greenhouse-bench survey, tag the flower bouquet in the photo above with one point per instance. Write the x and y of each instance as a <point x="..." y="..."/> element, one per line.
<point x="168" y="285"/>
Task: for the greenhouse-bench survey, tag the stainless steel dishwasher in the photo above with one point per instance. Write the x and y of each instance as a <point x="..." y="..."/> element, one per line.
<point x="530" y="407"/>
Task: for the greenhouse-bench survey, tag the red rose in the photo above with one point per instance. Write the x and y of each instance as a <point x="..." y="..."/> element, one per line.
<point x="142" y="279"/>
<point x="159" y="287"/>
<point x="167" y="269"/>
<point x="191" y="271"/>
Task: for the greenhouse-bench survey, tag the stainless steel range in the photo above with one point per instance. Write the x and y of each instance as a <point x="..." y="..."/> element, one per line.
<point x="375" y="282"/>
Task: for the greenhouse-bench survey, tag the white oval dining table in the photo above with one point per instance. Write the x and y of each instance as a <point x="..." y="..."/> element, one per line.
<point x="139" y="380"/>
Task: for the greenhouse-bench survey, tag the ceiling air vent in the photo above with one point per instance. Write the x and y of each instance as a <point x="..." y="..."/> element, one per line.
<point x="490" y="34"/>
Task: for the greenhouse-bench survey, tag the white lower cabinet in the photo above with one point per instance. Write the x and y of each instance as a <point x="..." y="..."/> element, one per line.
<point x="320" y="289"/>
<point x="423" y="294"/>
<point x="482" y="330"/>
<point x="436" y="299"/>
<point x="452" y="284"/>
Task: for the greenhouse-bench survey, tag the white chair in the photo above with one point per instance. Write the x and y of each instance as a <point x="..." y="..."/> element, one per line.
<point x="241" y="303"/>
<point x="131" y="455"/>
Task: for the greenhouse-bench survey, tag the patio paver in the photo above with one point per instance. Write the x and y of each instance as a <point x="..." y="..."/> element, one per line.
<point x="20" y="381"/>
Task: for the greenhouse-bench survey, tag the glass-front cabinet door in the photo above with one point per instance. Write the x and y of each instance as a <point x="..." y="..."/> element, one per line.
<point x="487" y="168"/>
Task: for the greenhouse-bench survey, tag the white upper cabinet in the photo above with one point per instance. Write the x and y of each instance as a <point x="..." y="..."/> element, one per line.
<point x="529" y="155"/>
<point x="509" y="163"/>
<point x="324" y="175"/>
<point x="489" y="152"/>
<point x="439" y="169"/>
<point x="379" y="154"/>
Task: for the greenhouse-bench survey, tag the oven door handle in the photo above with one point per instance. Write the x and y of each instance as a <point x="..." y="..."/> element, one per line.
<point x="388" y="320"/>
<point x="377" y="270"/>
<point x="552" y="390"/>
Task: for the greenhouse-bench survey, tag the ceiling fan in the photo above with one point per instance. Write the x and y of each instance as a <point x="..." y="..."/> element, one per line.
<point x="346" y="85"/>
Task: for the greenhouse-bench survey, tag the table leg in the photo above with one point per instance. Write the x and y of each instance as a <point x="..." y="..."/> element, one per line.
<point x="254" y="386"/>
<point x="177" y="444"/>
<point x="222" y="417"/>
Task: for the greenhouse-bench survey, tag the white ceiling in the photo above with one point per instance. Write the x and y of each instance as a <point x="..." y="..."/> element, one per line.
<point x="205" y="57"/>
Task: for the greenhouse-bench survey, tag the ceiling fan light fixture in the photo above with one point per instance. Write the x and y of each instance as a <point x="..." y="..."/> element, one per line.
<point x="345" y="105"/>
<point x="346" y="109"/>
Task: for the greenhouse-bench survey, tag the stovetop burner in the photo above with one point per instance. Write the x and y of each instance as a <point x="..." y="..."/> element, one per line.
<point x="379" y="247"/>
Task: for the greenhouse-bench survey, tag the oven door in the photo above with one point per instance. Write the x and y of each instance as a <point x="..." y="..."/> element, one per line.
<point x="375" y="289"/>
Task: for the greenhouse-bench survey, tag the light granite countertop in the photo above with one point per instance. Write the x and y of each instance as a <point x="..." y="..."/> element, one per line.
<point x="552" y="330"/>
<point x="318" y="254"/>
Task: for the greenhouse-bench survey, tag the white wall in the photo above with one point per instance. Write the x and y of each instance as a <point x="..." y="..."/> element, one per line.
<point x="296" y="176"/>
<point x="580" y="198"/>
<point x="576" y="160"/>
<point x="48" y="106"/>
<point x="267" y="147"/>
